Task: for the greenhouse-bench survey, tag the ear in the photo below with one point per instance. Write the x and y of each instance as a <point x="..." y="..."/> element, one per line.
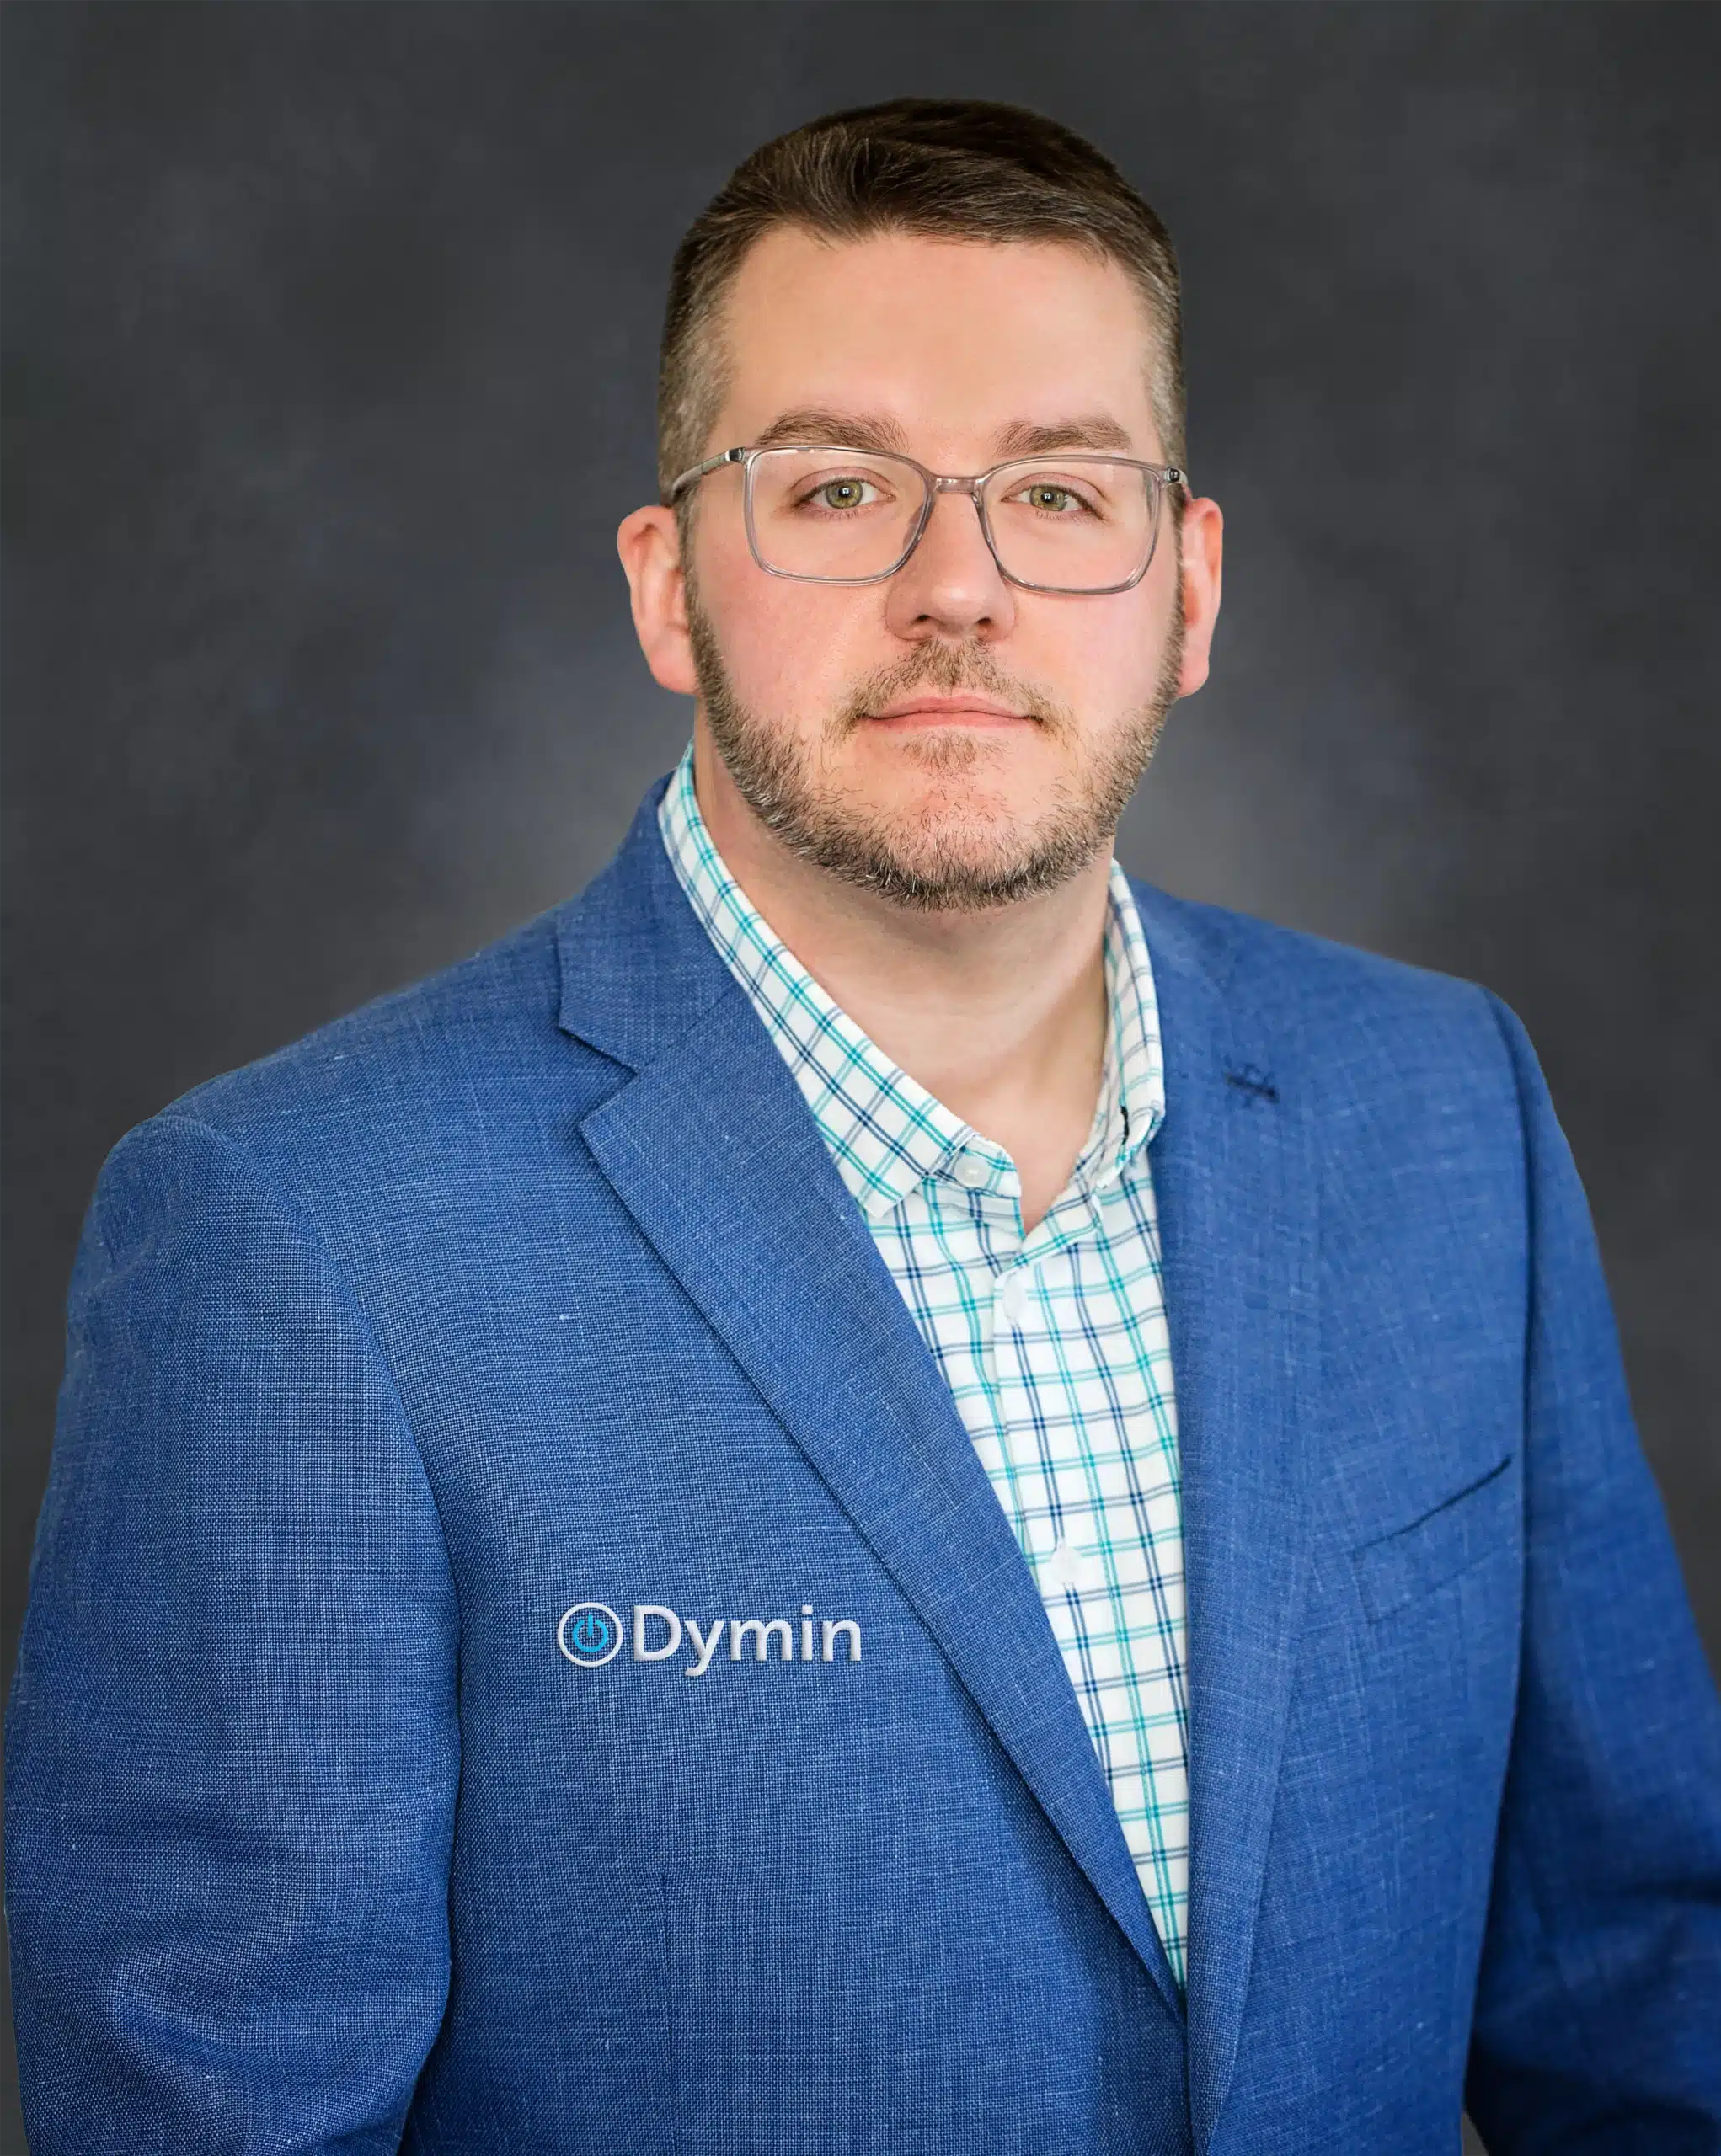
<point x="649" y="547"/>
<point x="1203" y="538"/>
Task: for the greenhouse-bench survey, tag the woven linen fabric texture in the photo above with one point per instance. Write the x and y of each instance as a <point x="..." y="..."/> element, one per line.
<point x="1054" y="1344"/>
<point x="537" y="1282"/>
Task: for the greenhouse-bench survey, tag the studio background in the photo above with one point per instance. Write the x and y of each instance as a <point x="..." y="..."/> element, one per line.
<point x="331" y="337"/>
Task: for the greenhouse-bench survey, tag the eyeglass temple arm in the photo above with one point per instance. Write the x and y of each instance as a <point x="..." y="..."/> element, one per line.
<point x="698" y="472"/>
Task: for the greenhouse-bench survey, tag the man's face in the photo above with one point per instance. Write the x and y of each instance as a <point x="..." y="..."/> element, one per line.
<point x="950" y="351"/>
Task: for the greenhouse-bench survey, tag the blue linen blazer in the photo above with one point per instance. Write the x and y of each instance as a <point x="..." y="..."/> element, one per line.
<point x="331" y="1830"/>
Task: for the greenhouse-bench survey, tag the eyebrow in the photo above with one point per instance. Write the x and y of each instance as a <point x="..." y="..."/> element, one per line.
<point x="819" y="425"/>
<point x="815" y="423"/>
<point x="1092" y="431"/>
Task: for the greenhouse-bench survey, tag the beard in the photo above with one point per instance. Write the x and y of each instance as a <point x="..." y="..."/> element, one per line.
<point x="949" y="855"/>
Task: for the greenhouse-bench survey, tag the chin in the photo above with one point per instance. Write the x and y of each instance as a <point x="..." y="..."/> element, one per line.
<point x="958" y="821"/>
<point x="973" y="835"/>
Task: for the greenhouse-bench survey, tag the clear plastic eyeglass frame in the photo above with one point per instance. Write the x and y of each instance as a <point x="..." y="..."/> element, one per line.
<point x="1159" y="477"/>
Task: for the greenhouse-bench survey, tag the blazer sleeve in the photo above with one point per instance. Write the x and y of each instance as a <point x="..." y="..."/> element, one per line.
<point x="232" y="1733"/>
<point x="1597" y="2025"/>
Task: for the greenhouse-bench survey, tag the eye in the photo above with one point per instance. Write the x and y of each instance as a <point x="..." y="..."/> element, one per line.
<point x="1054" y="500"/>
<point x="849" y="490"/>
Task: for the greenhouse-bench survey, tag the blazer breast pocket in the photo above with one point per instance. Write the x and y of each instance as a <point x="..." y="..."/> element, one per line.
<point x="1400" y="1567"/>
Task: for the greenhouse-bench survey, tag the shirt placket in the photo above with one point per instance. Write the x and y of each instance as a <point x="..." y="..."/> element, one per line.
<point x="1039" y="1435"/>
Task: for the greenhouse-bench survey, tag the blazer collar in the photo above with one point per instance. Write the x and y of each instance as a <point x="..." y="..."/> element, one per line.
<point x="711" y="1149"/>
<point x="638" y="971"/>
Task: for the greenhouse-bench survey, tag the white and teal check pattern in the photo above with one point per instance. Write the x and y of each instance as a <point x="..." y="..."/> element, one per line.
<point x="1054" y="1344"/>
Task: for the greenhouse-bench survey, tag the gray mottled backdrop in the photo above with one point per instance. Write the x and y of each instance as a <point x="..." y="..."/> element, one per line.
<point x="331" y="331"/>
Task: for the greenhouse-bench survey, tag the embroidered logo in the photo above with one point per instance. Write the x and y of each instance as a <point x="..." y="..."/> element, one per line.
<point x="589" y="1634"/>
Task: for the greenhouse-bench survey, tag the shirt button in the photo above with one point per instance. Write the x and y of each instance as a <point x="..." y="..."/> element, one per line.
<point x="1015" y="1296"/>
<point x="1060" y="1566"/>
<point x="970" y="1170"/>
<point x="1069" y="1567"/>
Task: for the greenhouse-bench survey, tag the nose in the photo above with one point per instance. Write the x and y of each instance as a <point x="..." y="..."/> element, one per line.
<point x="950" y="585"/>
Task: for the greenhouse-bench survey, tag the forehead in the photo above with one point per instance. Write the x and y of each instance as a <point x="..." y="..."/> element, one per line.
<point x="954" y="339"/>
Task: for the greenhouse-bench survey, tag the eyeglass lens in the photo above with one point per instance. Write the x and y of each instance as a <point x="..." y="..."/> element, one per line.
<point x="1072" y="523"/>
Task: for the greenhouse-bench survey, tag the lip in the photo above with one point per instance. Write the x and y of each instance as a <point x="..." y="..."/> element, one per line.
<point x="947" y="711"/>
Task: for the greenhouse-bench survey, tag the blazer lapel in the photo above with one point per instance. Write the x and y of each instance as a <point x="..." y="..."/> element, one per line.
<point x="1236" y="1192"/>
<point x="713" y="1150"/>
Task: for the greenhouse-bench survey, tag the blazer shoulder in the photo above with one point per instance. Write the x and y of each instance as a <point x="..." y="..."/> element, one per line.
<point x="1340" y="1004"/>
<point x="406" y="1070"/>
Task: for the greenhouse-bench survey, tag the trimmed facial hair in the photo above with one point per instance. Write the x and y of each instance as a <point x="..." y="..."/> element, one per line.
<point x="931" y="862"/>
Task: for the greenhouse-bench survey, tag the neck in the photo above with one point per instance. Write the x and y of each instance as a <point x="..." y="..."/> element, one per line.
<point x="1000" y="1013"/>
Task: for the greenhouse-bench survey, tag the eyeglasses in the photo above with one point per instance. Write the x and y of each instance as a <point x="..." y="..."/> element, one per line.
<point x="839" y="516"/>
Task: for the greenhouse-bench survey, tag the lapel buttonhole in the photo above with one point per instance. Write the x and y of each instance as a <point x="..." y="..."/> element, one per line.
<point x="1251" y="1084"/>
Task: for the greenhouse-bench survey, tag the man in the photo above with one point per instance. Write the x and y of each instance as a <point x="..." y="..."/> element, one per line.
<point x="875" y="1490"/>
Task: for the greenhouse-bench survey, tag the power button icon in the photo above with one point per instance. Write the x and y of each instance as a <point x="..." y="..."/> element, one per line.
<point x="589" y="1634"/>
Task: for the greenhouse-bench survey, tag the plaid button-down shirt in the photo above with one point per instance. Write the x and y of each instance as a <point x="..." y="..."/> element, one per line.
<point x="1054" y="1344"/>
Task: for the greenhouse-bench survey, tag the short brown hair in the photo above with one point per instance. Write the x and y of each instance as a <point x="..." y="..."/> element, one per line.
<point x="950" y="168"/>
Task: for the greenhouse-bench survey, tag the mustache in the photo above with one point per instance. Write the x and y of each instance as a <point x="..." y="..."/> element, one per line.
<point x="950" y="670"/>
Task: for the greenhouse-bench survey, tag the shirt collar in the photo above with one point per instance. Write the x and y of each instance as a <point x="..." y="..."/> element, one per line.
<point x="885" y="1132"/>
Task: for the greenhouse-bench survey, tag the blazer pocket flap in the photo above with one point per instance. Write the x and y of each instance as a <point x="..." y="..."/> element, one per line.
<point x="1458" y="1532"/>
